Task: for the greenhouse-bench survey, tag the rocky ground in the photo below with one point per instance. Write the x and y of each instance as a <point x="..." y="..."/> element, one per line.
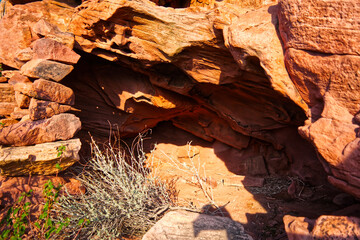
<point x="253" y="105"/>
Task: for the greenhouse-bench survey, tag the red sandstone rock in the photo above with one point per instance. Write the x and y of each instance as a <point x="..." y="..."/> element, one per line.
<point x="325" y="227"/>
<point x="328" y="83"/>
<point x="3" y="79"/>
<point x="298" y="228"/>
<point x="52" y="50"/>
<point x="7" y="99"/>
<point x="44" y="109"/>
<point x="22" y="100"/>
<point x="6" y="108"/>
<point x="19" y="113"/>
<point x="332" y="28"/>
<point x="7" y="122"/>
<point x="15" y="26"/>
<point x="48" y="90"/>
<point x="24" y="55"/>
<point x="39" y="159"/>
<point x="41" y="68"/>
<point x="7" y="93"/>
<point x="59" y="127"/>
<point x="336" y="227"/>
<point x="208" y="125"/>
<point x="12" y="187"/>
<point x="17" y="77"/>
<point x="9" y="73"/>
<point x="51" y="31"/>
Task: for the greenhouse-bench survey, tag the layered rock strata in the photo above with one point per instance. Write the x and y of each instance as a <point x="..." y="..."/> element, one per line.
<point x="34" y="109"/>
<point x="325" y="67"/>
<point x="243" y="76"/>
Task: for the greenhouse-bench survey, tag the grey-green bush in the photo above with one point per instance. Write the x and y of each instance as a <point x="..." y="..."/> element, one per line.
<point x="122" y="197"/>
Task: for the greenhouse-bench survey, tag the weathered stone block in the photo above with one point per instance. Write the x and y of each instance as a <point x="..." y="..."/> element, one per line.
<point x="39" y="159"/>
<point x="41" y="68"/>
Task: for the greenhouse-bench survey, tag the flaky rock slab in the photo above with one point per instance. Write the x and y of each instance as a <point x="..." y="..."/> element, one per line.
<point x="59" y="127"/>
<point x="50" y="49"/>
<point x="39" y="159"/>
<point x="41" y="68"/>
<point x="40" y="109"/>
<point x="47" y="90"/>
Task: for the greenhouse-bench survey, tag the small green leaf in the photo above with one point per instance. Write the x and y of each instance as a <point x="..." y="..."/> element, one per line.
<point x="5" y="234"/>
<point x="16" y="210"/>
<point x="37" y="225"/>
<point x="58" y="166"/>
<point x="49" y="223"/>
<point x="81" y="221"/>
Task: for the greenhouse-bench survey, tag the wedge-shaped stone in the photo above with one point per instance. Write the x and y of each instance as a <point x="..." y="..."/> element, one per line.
<point x="59" y="127"/>
<point x="7" y="108"/>
<point x="50" y="49"/>
<point x="7" y="122"/>
<point x="7" y="93"/>
<point x="39" y="159"/>
<point x="40" y="109"/>
<point x="41" y="68"/>
<point x="45" y="29"/>
<point x="19" y="113"/>
<point x="16" y="77"/>
<point x="22" y="100"/>
<point x="9" y="73"/>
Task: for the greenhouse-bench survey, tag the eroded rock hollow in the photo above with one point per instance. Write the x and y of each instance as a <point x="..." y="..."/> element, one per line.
<point x="247" y="74"/>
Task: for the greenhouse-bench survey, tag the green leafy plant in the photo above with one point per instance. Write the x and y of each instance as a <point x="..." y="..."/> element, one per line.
<point x="16" y="218"/>
<point x="45" y="224"/>
<point x="1" y="69"/>
<point x="44" y="227"/>
<point x="60" y="150"/>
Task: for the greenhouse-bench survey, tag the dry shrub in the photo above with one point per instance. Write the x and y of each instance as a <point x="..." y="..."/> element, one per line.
<point x="123" y="197"/>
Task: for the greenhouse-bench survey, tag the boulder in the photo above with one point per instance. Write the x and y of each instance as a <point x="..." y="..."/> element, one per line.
<point x="59" y="127"/>
<point x="325" y="227"/>
<point x="322" y="58"/>
<point x="50" y="49"/>
<point x="188" y="225"/>
<point x="40" y="159"/>
<point x="7" y="122"/>
<point x="298" y="228"/>
<point x="41" y="68"/>
<point x="47" y="90"/>
<point x="40" y="109"/>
